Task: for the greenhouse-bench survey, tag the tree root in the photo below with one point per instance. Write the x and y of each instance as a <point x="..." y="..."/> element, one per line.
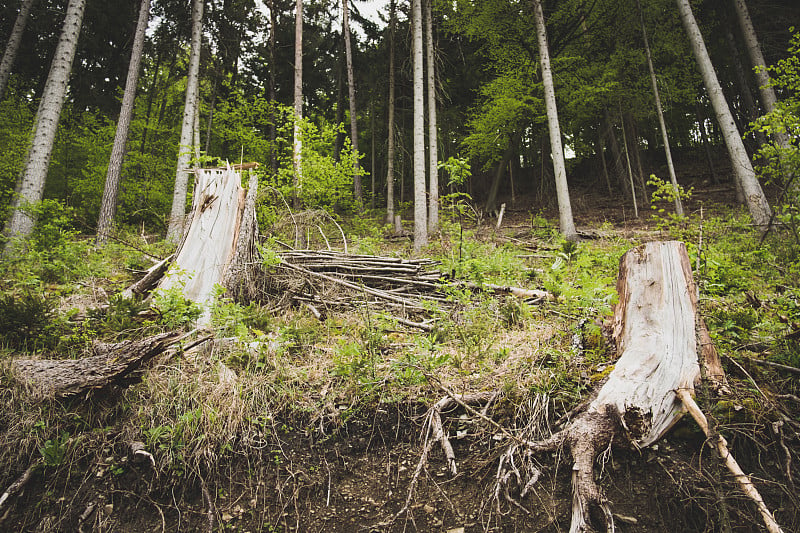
<point x="18" y="485"/>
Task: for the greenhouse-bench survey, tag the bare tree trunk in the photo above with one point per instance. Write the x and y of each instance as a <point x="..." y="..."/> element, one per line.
<point x="297" y="146"/>
<point x="566" y="223"/>
<point x="351" y="91"/>
<point x="10" y="53"/>
<point x="661" y="122"/>
<point x="628" y="162"/>
<point x="273" y="134"/>
<point x="742" y="168"/>
<point x="109" y="203"/>
<point x="31" y="184"/>
<point x="757" y="60"/>
<point x="744" y="84"/>
<point x="701" y="121"/>
<point x="602" y="152"/>
<point x="420" y="204"/>
<point x="390" y="147"/>
<point x="178" y="211"/>
<point x="372" y="152"/>
<point x="491" y="199"/>
<point x="433" y="155"/>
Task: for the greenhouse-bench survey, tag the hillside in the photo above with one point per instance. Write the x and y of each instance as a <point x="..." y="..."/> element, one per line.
<point x="289" y="422"/>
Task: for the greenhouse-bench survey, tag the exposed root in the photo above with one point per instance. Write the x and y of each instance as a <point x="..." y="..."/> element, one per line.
<point x="718" y="443"/>
<point x="18" y="485"/>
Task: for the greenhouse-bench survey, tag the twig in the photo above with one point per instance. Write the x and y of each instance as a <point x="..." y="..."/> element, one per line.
<point x="790" y="369"/>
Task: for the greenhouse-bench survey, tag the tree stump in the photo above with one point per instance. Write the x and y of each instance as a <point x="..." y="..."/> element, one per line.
<point x="658" y="333"/>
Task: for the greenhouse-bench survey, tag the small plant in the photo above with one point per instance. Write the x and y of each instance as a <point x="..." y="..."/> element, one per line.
<point x="54" y="450"/>
<point x="25" y="321"/>
<point x="173" y="307"/>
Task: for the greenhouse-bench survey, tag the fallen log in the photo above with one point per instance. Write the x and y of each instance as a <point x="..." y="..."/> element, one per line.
<point x="45" y="379"/>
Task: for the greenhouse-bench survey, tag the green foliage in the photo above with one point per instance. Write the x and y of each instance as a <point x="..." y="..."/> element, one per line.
<point x="26" y="321"/>
<point x="173" y="307"/>
<point x="780" y="163"/>
<point x="55" y="450"/>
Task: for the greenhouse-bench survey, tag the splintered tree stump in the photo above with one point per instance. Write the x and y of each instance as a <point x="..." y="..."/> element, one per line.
<point x="45" y="379"/>
<point x="658" y="331"/>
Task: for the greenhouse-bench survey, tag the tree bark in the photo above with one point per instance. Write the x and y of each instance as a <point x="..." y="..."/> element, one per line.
<point x="743" y="83"/>
<point x="178" y="211"/>
<point x="491" y="198"/>
<point x="742" y="168"/>
<point x="433" y="155"/>
<point x="566" y="222"/>
<point x="12" y="47"/>
<point x="351" y="92"/>
<point x="30" y="187"/>
<point x="420" y="204"/>
<point x="391" y="136"/>
<point x="628" y="163"/>
<point x="109" y="203"/>
<point x="660" y="113"/>
<point x="297" y="145"/>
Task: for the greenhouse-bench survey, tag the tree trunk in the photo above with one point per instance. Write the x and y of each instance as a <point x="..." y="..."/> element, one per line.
<point x="273" y="132"/>
<point x="433" y="155"/>
<point x="491" y="198"/>
<point x="297" y="145"/>
<point x="420" y="204"/>
<point x="628" y="163"/>
<point x="351" y="92"/>
<point x="742" y="168"/>
<point x="391" y="136"/>
<point x="701" y="122"/>
<point x="661" y="122"/>
<point x="756" y="58"/>
<point x="566" y="223"/>
<point x="10" y="53"/>
<point x="743" y="83"/>
<point x="601" y="150"/>
<point x="31" y="184"/>
<point x="109" y="203"/>
<point x="178" y="211"/>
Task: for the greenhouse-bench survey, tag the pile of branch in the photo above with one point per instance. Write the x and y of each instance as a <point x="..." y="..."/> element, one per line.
<point x="330" y="279"/>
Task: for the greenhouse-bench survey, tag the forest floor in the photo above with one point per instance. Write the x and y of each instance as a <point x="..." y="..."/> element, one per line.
<point x="299" y="424"/>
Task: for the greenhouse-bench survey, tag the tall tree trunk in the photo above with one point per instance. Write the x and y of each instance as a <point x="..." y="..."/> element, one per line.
<point x="210" y="121"/>
<point x="742" y="168"/>
<point x="616" y="152"/>
<point x="10" y="53"/>
<point x="176" y="219"/>
<point x="601" y="149"/>
<point x="759" y="65"/>
<point x="433" y="155"/>
<point x="390" y="142"/>
<point x="109" y="203"/>
<point x="566" y="223"/>
<point x="273" y="133"/>
<point x="31" y="184"/>
<point x="742" y="81"/>
<point x="351" y="92"/>
<point x="420" y="204"/>
<point x="701" y="122"/>
<point x="339" y="139"/>
<point x="372" y="152"/>
<point x="491" y="199"/>
<point x="628" y="162"/>
<point x="661" y="122"/>
<point x="297" y="145"/>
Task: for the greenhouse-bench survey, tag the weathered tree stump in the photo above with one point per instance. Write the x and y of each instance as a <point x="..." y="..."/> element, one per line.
<point x="658" y="333"/>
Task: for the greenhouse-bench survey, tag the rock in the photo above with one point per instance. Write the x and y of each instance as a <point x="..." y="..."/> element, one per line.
<point x="456" y="530"/>
<point x="428" y="508"/>
<point x="108" y="509"/>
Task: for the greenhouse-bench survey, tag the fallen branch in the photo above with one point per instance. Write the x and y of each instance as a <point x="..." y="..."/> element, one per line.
<point x="717" y="442"/>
